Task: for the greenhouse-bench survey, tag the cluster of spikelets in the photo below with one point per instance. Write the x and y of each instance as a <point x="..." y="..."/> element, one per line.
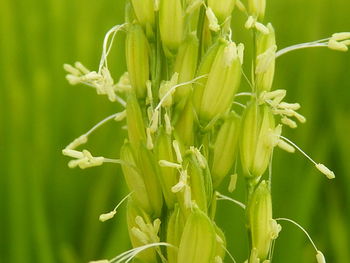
<point x="188" y="128"/>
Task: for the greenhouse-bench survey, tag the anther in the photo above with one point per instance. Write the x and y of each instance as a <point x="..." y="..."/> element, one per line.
<point x="177" y="151"/>
<point x="292" y="124"/>
<point x="164" y="163"/>
<point x="233" y="182"/>
<point x="213" y="21"/>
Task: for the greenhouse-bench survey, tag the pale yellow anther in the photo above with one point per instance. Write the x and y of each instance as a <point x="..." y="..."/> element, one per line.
<point x="326" y="171"/>
<point x="254" y="256"/>
<point x="149" y="142"/>
<point x="178" y="187"/>
<point x="123" y="83"/>
<point x="156" y="5"/>
<point x="188" y="197"/>
<point x="275" y="229"/>
<point x="346" y="42"/>
<point x="200" y="158"/>
<point x="230" y="53"/>
<point x="164" y="163"/>
<point x="75" y="163"/>
<point x="240" y="6"/>
<point x="279" y="93"/>
<point x="72" y="70"/>
<point x="168" y="127"/>
<point x="286" y="146"/>
<point x="166" y="91"/>
<point x="299" y="117"/>
<point x="320" y="257"/>
<point x="107" y="216"/>
<point x="233" y="183"/>
<point x="100" y="261"/>
<point x="81" y="67"/>
<point x="177" y="151"/>
<point x="250" y="22"/>
<point x="149" y="92"/>
<point x="265" y="59"/>
<point x="338" y="46"/>
<point x="182" y="182"/>
<point x="341" y="36"/>
<point x="213" y="21"/>
<point x="141" y="236"/>
<point x="156" y="225"/>
<point x="261" y="28"/>
<point x="154" y="122"/>
<point x="218" y="259"/>
<point x="72" y="153"/>
<point x="77" y="142"/>
<point x="240" y="52"/>
<point x="286" y="121"/>
<point x="120" y="116"/>
<point x="274" y="136"/>
<point x="291" y="106"/>
<point x="219" y="239"/>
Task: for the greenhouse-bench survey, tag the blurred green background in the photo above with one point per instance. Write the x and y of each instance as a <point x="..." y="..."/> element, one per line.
<point x="49" y="213"/>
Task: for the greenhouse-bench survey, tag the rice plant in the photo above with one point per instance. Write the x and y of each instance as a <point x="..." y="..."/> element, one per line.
<point x="191" y="123"/>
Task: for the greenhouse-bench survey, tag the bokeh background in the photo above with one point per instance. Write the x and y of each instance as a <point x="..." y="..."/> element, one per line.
<point x="49" y="213"/>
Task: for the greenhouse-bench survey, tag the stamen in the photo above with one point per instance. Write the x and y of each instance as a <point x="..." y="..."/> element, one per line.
<point x="341" y="36"/>
<point x="218" y="259"/>
<point x="188" y="197"/>
<point x="301" y="228"/>
<point x="154" y="122"/>
<point x="107" y="216"/>
<point x="72" y="153"/>
<point x="98" y="125"/>
<point x="338" y="46"/>
<point x="120" y="116"/>
<point x="240" y="6"/>
<point x="130" y="254"/>
<point x="105" y="51"/>
<point x="240" y="104"/>
<point x="321" y="167"/>
<point x="285" y="146"/>
<point x="200" y="158"/>
<point x="300" y="46"/>
<point x="173" y="88"/>
<point x="149" y="92"/>
<point x="164" y="163"/>
<point x="240" y="52"/>
<point x="168" y="127"/>
<point x="292" y="106"/>
<point x="265" y="59"/>
<point x="262" y="28"/>
<point x="276" y="229"/>
<point x="233" y="183"/>
<point x="149" y="139"/>
<point x="320" y="257"/>
<point x="213" y="21"/>
<point x="250" y="22"/>
<point x="229" y="254"/>
<point x="244" y="94"/>
<point x="292" y="124"/>
<point x="223" y="197"/>
<point x="177" y="151"/>
<point x="77" y="142"/>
